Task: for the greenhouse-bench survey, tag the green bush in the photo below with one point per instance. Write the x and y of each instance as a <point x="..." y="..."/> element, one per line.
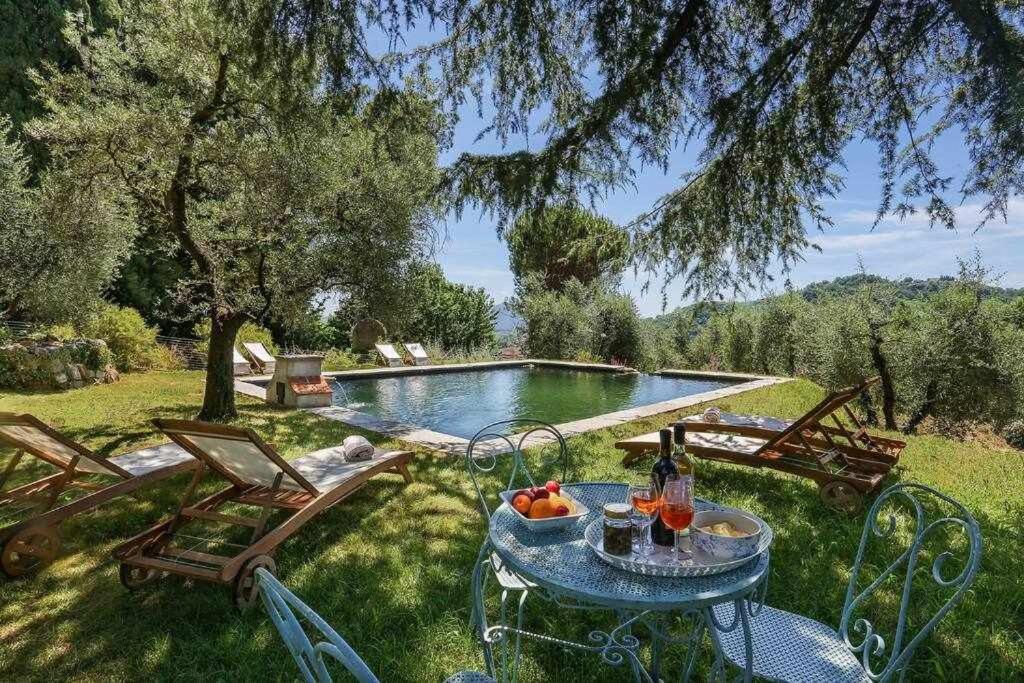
<point x="131" y="342"/>
<point x="250" y="332"/>
<point x="452" y="316"/>
<point x="339" y="359"/>
<point x="1014" y="434"/>
<point x="22" y="367"/>
<point x="558" y="325"/>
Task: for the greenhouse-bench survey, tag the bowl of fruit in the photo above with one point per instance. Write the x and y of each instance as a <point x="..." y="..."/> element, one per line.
<point x="545" y="507"/>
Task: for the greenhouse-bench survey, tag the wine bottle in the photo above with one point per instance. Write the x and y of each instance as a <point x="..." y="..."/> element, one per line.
<point x="663" y="467"/>
<point x="683" y="462"/>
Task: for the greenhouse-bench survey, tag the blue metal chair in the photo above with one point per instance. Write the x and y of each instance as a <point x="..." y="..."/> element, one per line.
<point x="285" y="608"/>
<point x="490" y="446"/>
<point x="789" y="647"/>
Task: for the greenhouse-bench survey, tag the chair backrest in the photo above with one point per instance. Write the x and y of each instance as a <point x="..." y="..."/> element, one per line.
<point x="236" y="357"/>
<point x="492" y="445"/>
<point x="238" y="455"/>
<point x="285" y="609"/>
<point x="823" y="409"/>
<point x="259" y="352"/>
<point x="932" y="516"/>
<point x="35" y="437"/>
<point x="416" y="351"/>
<point x="388" y="351"/>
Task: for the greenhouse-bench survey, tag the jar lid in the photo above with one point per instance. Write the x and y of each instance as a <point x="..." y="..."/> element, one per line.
<point x="616" y="510"/>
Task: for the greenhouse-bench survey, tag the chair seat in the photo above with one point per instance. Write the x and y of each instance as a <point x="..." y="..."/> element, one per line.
<point x="328" y="468"/>
<point x="151" y="459"/>
<point x="506" y="579"/>
<point x="469" y="677"/>
<point x="789" y="647"/>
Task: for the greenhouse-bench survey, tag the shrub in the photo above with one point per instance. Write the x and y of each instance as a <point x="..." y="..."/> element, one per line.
<point x="339" y="359"/>
<point x="250" y="332"/>
<point x="618" y="329"/>
<point x="131" y="342"/>
<point x="1014" y="434"/>
<point x="24" y="367"/>
<point x="557" y="324"/>
<point x="448" y="314"/>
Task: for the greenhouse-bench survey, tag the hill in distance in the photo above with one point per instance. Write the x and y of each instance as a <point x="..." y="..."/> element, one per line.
<point x="908" y="288"/>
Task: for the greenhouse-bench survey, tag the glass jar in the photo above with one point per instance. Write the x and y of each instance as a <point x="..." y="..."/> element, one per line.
<point x="618" y="531"/>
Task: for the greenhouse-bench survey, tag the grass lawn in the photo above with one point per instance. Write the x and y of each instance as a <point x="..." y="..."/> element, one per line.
<point x="390" y="568"/>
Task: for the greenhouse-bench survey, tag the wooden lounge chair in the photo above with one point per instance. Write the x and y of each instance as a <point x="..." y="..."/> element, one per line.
<point x="419" y="355"/>
<point x="388" y="354"/>
<point x="262" y="358"/>
<point x="241" y="365"/>
<point x="845" y="461"/>
<point x="31" y="514"/>
<point x="258" y="477"/>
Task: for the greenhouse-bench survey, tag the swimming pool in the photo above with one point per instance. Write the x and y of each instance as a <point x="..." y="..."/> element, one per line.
<point x="460" y="403"/>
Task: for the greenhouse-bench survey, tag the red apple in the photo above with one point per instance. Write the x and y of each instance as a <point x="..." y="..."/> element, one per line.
<point x="553" y="487"/>
<point x="540" y="492"/>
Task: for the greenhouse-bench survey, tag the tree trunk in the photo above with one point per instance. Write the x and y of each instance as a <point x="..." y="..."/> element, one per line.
<point x="219" y="398"/>
<point x="925" y="410"/>
<point x="882" y="368"/>
<point x="868" y="406"/>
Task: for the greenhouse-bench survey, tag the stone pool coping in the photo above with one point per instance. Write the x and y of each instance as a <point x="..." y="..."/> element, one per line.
<point x="456" y="445"/>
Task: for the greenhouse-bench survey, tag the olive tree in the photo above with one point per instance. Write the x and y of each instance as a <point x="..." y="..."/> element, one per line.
<point x="272" y="194"/>
<point x="60" y="242"/>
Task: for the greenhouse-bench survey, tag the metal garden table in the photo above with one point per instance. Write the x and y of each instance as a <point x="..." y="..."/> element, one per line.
<point x="560" y="567"/>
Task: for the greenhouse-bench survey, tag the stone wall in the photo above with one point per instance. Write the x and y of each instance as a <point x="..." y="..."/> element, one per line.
<point x="56" y="364"/>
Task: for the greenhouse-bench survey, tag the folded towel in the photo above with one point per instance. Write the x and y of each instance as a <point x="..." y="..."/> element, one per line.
<point x="357" y="448"/>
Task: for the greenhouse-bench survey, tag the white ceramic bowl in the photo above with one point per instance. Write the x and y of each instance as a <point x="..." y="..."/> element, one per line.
<point x="725" y="547"/>
<point x="579" y="510"/>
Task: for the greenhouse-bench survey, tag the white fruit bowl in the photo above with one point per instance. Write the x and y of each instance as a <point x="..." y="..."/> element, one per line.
<point x="548" y="523"/>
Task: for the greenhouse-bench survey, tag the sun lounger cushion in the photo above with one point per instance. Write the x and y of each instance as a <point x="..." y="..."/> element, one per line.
<point x="742" y="445"/>
<point x="327" y="468"/>
<point x="733" y="419"/>
<point x="151" y="459"/>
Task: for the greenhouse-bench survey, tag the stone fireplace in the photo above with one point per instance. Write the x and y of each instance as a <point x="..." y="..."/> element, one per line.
<point x="298" y="383"/>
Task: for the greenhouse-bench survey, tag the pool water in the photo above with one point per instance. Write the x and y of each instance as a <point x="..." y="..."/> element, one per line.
<point x="460" y="403"/>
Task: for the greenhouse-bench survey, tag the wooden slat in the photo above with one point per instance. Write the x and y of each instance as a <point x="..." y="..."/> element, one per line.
<point x="212" y="516"/>
<point x="172" y="567"/>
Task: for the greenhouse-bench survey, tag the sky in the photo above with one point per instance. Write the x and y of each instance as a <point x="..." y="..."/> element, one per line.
<point x="471" y="252"/>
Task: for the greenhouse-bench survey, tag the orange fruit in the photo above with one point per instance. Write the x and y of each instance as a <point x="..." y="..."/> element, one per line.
<point x="522" y="504"/>
<point x="556" y="501"/>
<point x="541" y="509"/>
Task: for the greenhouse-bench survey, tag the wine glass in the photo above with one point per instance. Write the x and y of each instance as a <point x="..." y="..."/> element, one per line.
<point x="677" y="510"/>
<point x="644" y="500"/>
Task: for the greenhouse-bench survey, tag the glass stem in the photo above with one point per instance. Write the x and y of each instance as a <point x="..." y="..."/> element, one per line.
<point x="679" y="551"/>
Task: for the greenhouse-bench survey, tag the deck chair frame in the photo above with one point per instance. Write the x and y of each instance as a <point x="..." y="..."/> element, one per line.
<point x="260" y="357"/>
<point x="152" y="553"/>
<point x="420" y="358"/>
<point x="392" y="362"/>
<point x="845" y="463"/>
<point x="33" y="542"/>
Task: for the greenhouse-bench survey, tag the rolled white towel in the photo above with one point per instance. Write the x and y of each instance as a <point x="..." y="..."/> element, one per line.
<point x="357" y="448"/>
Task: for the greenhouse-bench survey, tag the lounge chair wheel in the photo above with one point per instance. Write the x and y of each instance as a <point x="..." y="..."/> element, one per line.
<point x="841" y="496"/>
<point x="30" y="550"/>
<point x="133" y="577"/>
<point x="246" y="590"/>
